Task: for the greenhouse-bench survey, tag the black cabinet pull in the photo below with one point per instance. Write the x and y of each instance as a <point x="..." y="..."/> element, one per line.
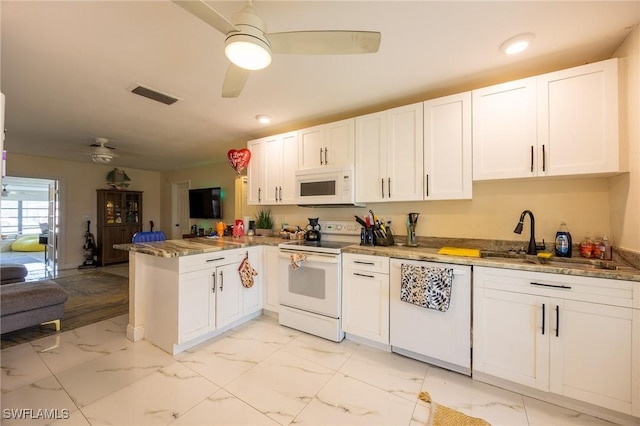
<point x="543" y="315"/>
<point x="215" y="260"/>
<point x="213" y="289"/>
<point x="326" y="161"/>
<point x="557" y="320"/>
<point x="321" y="163"/>
<point x="259" y="192"/>
<point x="363" y="275"/>
<point x="427" y="184"/>
<point x="360" y="262"/>
<point x="221" y="281"/>
<point x="389" y="189"/>
<point x="566" y="287"/>
<point x="531" y="158"/>
<point x="382" y="186"/>
<point x="544" y="161"/>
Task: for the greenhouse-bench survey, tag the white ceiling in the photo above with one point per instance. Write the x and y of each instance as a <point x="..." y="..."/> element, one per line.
<point x="67" y="68"/>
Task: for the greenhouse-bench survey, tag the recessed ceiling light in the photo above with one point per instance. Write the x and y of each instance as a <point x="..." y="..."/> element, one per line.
<point x="517" y="43"/>
<point x="264" y="119"/>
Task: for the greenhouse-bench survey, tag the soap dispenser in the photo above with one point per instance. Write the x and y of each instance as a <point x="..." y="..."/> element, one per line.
<point x="563" y="241"/>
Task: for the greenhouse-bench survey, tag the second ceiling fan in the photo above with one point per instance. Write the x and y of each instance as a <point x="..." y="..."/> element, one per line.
<point x="249" y="47"/>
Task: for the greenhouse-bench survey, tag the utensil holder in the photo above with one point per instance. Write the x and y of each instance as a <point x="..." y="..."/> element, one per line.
<point x="384" y="239"/>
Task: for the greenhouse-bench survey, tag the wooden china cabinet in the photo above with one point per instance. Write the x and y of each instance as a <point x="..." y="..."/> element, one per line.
<point x="119" y="218"/>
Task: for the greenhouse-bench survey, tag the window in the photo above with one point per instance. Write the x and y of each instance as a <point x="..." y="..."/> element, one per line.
<point x="23" y="217"/>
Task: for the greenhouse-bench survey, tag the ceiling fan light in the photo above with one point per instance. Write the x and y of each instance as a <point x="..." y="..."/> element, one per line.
<point x="101" y="158"/>
<point x="248" y="52"/>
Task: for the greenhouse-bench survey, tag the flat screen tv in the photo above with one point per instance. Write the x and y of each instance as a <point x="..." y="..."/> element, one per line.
<point x="205" y="203"/>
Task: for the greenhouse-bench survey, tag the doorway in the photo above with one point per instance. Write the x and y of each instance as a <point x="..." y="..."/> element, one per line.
<point x="29" y="209"/>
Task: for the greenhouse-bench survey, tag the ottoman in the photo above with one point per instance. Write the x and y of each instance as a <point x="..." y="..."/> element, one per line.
<point x="31" y="303"/>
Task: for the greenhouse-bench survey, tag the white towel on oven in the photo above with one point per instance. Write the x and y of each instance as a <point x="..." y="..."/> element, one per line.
<point x="429" y="287"/>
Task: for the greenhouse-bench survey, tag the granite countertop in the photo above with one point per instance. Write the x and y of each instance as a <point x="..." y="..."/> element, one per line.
<point x="571" y="266"/>
<point x="198" y="245"/>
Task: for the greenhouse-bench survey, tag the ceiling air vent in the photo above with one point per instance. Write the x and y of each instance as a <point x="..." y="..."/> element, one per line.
<point x="152" y="94"/>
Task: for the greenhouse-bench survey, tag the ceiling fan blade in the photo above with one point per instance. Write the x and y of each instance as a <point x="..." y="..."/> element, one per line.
<point x="234" y="81"/>
<point x="325" y="42"/>
<point x="203" y="11"/>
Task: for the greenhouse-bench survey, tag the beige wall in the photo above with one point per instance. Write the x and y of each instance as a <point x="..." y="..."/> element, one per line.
<point x="78" y="184"/>
<point x="625" y="189"/>
<point x="218" y="174"/>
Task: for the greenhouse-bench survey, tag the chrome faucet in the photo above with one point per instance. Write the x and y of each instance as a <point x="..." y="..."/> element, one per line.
<point x="533" y="249"/>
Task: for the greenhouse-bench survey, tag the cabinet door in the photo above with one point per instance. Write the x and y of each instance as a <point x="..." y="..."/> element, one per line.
<point x="273" y="152"/>
<point x="340" y="143"/>
<point x="252" y="296"/>
<point x="287" y="185"/>
<point x="511" y="336"/>
<point x="228" y="294"/>
<point x="365" y="305"/>
<point x="578" y="120"/>
<point x="255" y="173"/>
<point x="405" y="140"/>
<point x="504" y="130"/>
<point x="447" y="148"/>
<point x="591" y="357"/>
<point x="270" y="278"/>
<point x="311" y="143"/>
<point x="196" y="304"/>
<point x="371" y="157"/>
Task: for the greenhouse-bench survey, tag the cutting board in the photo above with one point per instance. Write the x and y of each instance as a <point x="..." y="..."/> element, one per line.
<point x="458" y="251"/>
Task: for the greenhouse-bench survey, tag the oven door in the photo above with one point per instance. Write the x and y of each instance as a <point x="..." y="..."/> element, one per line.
<point x="315" y="286"/>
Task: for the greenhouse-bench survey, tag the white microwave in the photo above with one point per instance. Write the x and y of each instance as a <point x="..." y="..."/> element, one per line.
<point x="329" y="186"/>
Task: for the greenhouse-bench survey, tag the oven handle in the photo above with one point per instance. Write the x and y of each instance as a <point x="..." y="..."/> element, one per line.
<point x="315" y="257"/>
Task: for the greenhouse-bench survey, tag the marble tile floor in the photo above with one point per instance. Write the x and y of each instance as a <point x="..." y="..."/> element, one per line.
<point x="259" y="373"/>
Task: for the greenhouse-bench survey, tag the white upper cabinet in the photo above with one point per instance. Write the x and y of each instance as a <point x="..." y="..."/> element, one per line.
<point x="330" y="144"/>
<point x="578" y="120"/>
<point x="504" y="130"/>
<point x="271" y="171"/>
<point x="447" y="148"/>
<point x="556" y="124"/>
<point x="389" y="155"/>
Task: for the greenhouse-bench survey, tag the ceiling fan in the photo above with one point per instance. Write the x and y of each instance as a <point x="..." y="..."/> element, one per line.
<point x="249" y="47"/>
<point x="100" y="153"/>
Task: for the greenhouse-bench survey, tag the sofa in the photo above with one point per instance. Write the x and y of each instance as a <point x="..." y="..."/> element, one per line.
<point x="25" y="304"/>
<point x="12" y="273"/>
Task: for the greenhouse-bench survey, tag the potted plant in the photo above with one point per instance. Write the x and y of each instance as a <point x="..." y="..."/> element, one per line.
<point x="264" y="223"/>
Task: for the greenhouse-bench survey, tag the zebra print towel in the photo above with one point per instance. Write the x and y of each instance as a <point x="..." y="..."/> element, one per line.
<point x="429" y="287"/>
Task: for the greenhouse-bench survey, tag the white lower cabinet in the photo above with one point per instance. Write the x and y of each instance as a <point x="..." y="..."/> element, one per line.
<point x="365" y="297"/>
<point x="192" y="298"/>
<point x="572" y="336"/>
<point x="271" y="278"/>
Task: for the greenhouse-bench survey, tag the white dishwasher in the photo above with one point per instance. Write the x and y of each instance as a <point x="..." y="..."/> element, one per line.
<point x="438" y="338"/>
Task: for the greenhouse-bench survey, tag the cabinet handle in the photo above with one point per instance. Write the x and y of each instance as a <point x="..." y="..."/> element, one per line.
<point x="360" y="262"/>
<point x="363" y="275"/>
<point x="280" y="193"/>
<point x="276" y="195"/>
<point x="259" y="193"/>
<point x="427" y="185"/>
<point x="543" y="315"/>
<point x="544" y="163"/>
<point x="389" y="187"/>
<point x="382" y="186"/>
<point x="531" y="158"/>
<point x="551" y="285"/>
<point x="215" y="260"/>
<point x="326" y="150"/>
<point x="557" y="320"/>
<point x="214" y="282"/>
<point x="221" y="281"/>
<point x="321" y="163"/>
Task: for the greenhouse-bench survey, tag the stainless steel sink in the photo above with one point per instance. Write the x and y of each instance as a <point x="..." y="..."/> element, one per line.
<point x="569" y="263"/>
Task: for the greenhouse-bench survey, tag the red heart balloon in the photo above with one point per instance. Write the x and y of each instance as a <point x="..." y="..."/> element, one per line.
<point x="239" y="158"/>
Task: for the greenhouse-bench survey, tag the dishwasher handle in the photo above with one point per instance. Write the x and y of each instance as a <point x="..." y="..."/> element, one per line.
<point x="397" y="265"/>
